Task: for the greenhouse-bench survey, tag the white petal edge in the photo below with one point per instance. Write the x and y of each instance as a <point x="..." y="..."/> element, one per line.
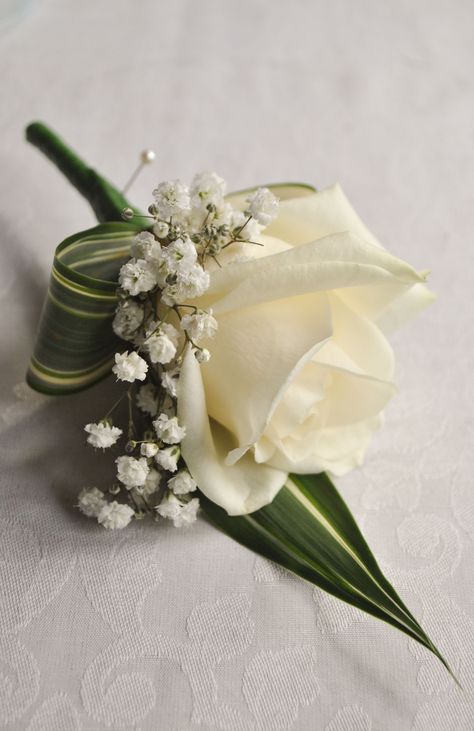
<point x="319" y="214"/>
<point x="335" y="262"/>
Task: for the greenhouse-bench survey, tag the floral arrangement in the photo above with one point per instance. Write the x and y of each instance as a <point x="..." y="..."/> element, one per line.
<point x="248" y="332"/>
<point x="192" y="230"/>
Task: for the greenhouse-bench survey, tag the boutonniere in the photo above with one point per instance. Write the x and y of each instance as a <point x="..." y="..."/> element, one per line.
<point x="247" y="332"/>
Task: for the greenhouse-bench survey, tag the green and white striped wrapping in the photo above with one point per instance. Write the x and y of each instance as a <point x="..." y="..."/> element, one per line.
<point x="75" y="342"/>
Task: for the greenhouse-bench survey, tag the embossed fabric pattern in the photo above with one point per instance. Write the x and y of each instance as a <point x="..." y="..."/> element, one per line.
<point x="158" y="628"/>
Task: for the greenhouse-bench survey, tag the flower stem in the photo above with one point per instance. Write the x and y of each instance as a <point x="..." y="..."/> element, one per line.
<point x="106" y="201"/>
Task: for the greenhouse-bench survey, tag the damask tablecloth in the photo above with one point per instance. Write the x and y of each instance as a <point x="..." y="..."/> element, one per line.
<point x="158" y="628"/>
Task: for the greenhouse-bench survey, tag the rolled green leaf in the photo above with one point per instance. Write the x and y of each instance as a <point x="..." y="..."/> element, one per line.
<point x="309" y="530"/>
<point x="75" y="341"/>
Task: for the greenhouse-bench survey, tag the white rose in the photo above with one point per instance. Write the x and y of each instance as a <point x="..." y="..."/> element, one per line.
<point x="300" y="369"/>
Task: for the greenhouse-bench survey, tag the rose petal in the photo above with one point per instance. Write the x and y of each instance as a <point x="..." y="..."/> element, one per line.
<point x="240" y="488"/>
<point x="357" y="344"/>
<point x="404" y="307"/>
<point x="336" y="262"/>
<point x="256" y="353"/>
<point x="312" y="217"/>
<point x="333" y="449"/>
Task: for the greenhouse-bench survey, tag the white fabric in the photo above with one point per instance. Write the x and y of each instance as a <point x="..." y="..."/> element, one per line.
<point x="156" y="628"/>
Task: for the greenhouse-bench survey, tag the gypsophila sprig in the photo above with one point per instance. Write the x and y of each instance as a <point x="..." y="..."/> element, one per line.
<point x="102" y="435"/>
<point x="130" y="367"/>
<point x="189" y="231"/>
<point x="90" y="501"/>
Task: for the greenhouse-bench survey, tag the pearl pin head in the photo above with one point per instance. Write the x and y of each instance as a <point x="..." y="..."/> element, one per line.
<point x="147" y="156"/>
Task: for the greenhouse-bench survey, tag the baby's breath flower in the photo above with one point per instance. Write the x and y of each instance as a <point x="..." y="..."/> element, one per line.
<point x="132" y="472"/>
<point x="129" y="367"/>
<point x="207" y="188"/>
<point x="168" y="429"/>
<point x="128" y="318"/>
<point x="188" y="285"/>
<point x="182" y="483"/>
<point x="190" y="227"/>
<point x="148" y="449"/>
<point x="136" y="276"/>
<point x="168" y="458"/>
<point x="160" y="348"/>
<point x="151" y="483"/>
<point x="171" y="199"/>
<point x="147" y="400"/>
<point x="262" y="206"/>
<point x="161" y="342"/>
<point x="146" y="247"/>
<point x="242" y="228"/>
<point x="102" y="435"/>
<point x="199" y="325"/>
<point x="169" y="381"/>
<point x="194" y="222"/>
<point x="180" y="513"/>
<point x="202" y="355"/>
<point x="115" y="515"/>
<point x="161" y="229"/>
<point x="179" y="256"/>
<point x="223" y="215"/>
<point x="90" y="501"/>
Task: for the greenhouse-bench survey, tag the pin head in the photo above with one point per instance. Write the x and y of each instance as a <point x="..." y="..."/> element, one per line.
<point x="147" y="156"/>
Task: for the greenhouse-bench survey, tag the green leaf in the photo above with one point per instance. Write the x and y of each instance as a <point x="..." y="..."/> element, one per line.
<point x="309" y="530"/>
<point x="75" y="341"/>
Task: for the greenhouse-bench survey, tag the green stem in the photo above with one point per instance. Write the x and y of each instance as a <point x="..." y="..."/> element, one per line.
<point x="106" y="201"/>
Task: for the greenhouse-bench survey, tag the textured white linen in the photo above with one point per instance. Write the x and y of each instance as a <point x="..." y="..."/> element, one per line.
<point x="165" y="629"/>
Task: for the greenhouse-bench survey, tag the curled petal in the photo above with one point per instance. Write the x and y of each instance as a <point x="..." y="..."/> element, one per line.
<point x="240" y="488"/>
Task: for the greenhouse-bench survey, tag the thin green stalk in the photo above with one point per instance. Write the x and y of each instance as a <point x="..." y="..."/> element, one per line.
<point x="106" y="200"/>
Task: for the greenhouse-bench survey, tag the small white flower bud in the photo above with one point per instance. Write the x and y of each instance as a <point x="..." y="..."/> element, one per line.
<point x="127" y="214"/>
<point x="161" y="229"/>
<point x="202" y="355"/>
<point x="148" y="449"/>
